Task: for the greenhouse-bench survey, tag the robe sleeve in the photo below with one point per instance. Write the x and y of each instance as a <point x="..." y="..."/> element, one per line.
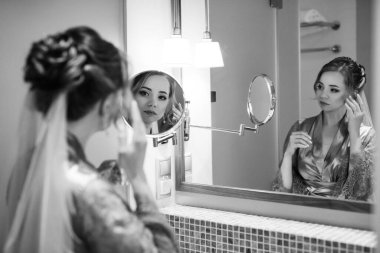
<point x="359" y="183"/>
<point x="298" y="185"/>
<point x="104" y="222"/>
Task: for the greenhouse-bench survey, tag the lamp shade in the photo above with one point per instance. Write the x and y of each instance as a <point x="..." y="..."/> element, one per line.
<point x="208" y="54"/>
<point x="176" y="52"/>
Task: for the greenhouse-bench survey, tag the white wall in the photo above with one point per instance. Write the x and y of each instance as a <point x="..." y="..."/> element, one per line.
<point x="246" y="32"/>
<point x="197" y="87"/>
<point x="21" y="23"/>
<point x="148" y="25"/>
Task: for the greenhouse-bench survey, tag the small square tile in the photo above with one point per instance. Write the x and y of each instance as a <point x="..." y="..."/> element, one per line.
<point x="358" y="248"/>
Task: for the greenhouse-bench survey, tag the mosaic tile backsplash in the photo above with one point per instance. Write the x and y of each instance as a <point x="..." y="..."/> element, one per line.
<point x="205" y="230"/>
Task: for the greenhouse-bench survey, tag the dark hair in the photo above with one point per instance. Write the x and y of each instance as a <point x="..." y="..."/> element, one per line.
<point x="352" y="72"/>
<point x="77" y="61"/>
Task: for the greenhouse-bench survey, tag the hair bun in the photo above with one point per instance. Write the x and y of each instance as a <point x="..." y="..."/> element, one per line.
<point x="363" y="77"/>
<point x="49" y="65"/>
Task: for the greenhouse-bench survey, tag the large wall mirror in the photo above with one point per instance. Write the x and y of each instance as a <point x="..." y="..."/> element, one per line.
<point x="256" y="38"/>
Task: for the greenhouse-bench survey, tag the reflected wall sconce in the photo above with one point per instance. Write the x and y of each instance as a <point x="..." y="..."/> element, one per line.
<point x="207" y="52"/>
<point x="176" y="52"/>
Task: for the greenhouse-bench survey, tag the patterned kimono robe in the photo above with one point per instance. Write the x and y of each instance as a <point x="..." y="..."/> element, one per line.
<point x="338" y="174"/>
<point x="102" y="219"/>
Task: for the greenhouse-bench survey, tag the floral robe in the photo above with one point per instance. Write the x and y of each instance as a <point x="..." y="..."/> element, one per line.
<point x="338" y="174"/>
<point x="102" y="219"/>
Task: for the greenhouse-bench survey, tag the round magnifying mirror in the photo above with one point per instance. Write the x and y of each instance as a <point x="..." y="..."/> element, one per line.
<point x="261" y="100"/>
<point x="160" y="100"/>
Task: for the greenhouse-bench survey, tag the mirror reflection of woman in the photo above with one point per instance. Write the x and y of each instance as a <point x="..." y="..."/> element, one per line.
<point x="154" y="92"/>
<point x="332" y="154"/>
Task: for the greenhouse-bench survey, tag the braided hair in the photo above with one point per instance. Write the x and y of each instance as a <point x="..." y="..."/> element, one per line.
<point x="77" y="61"/>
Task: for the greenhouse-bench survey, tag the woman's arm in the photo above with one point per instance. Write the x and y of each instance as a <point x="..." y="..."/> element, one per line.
<point x="286" y="180"/>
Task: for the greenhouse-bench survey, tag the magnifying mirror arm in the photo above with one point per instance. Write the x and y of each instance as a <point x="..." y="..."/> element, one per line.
<point x="158" y="140"/>
<point x="240" y="132"/>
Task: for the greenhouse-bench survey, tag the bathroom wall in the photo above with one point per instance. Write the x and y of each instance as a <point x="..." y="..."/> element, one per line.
<point x="364" y="45"/>
<point x="148" y="25"/>
<point x="21" y="23"/>
<point x="246" y="31"/>
<point x="345" y="12"/>
<point x="196" y="83"/>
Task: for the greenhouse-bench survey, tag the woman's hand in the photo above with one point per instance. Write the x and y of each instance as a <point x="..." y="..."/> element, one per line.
<point x="176" y="113"/>
<point x="132" y="144"/>
<point x="355" y="115"/>
<point x="297" y="140"/>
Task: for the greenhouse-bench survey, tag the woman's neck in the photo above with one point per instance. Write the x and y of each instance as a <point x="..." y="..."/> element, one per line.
<point x="85" y="127"/>
<point x="149" y="128"/>
<point x="81" y="133"/>
<point x="332" y="118"/>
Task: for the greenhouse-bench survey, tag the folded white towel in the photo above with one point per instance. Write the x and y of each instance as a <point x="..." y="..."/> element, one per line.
<point x="311" y="15"/>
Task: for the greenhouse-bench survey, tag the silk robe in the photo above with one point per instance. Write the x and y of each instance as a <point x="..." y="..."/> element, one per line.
<point x="102" y="218"/>
<point x="337" y="174"/>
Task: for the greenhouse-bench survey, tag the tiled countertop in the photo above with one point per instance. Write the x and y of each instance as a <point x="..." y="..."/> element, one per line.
<point x="275" y="228"/>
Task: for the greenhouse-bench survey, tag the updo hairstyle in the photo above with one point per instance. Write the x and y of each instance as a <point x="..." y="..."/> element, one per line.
<point x="352" y="72"/>
<point x="79" y="62"/>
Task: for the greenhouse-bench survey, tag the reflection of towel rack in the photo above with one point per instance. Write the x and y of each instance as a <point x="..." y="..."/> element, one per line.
<point x="333" y="25"/>
<point x="334" y="49"/>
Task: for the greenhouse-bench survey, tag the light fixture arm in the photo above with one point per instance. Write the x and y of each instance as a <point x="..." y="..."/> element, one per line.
<point x="164" y="139"/>
<point x="176" y="17"/>
<point x="207" y="34"/>
<point x="240" y="132"/>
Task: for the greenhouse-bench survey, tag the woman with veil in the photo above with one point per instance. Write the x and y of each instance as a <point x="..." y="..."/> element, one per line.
<point x="57" y="200"/>
<point x="332" y="153"/>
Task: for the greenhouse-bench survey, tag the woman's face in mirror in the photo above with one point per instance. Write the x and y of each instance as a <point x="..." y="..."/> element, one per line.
<point x="330" y="91"/>
<point x="153" y="98"/>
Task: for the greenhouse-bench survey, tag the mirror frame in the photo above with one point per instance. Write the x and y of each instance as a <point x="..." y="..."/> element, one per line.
<point x="273" y="99"/>
<point x="355" y="209"/>
<point x="180" y="121"/>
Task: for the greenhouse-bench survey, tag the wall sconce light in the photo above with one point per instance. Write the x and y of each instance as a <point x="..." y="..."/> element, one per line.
<point x="207" y="52"/>
<point x="176" y="52"/>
